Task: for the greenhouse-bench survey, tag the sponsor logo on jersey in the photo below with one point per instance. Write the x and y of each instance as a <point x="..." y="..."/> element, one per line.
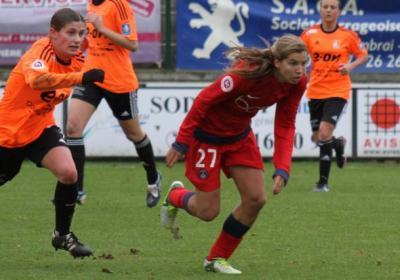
<point x="126" y="29"/>
<point x="227" y="84"/>
<point x="38" y="64"/>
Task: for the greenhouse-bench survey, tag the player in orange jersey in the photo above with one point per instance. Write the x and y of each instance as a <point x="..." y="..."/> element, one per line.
<point x="42" y="79"/>
<point x="112" y="36"/>
<point x="328" y="89"/>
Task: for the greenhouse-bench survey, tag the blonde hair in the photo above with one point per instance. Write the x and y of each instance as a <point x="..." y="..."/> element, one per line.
<point x="255" y="62"/>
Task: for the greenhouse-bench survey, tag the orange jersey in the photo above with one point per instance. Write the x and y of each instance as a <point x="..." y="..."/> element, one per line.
<point x="36" y="84"/>
<point x="327" y="51"/>
<point x="104" y="54"/>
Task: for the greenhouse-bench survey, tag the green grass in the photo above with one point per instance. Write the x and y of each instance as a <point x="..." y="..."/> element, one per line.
<point x="352" y="232"/>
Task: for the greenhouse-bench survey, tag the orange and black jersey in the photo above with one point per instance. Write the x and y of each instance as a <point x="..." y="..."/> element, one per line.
<point x="104" y="54"/>
<point x="37" y="83"/>
<point x="327" y="51"/>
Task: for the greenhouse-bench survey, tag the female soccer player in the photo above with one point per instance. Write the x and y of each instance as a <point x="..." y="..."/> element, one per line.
<point x="111" y="37"/>
<point x="216" y="134"/>
<point x="42" y="79"/>
<point x="330" y="47"/>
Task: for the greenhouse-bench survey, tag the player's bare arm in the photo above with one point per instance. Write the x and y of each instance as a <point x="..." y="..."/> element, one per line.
<point x="117" y="38"/>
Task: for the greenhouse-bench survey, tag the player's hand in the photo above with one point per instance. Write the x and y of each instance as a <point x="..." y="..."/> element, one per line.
<point x="172" y="157"/>
<point x="93" y="75"/>
<point x="279" y="184"/>
<point x="344" y="69"/>
<point x="96" y="20"/>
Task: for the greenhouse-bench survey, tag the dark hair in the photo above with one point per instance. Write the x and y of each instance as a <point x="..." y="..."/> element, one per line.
<point x="63" y="17"/>
<point x="255" y="62"/>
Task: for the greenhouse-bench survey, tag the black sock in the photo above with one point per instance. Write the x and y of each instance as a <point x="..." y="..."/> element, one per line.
<point x="146" y="155"/>
<point x="64" y="201"/>
<point x="77" y="147"/>
<point x="337" y="145"/>
<point x="234" y="227"/>
<point x="325" y="158"/>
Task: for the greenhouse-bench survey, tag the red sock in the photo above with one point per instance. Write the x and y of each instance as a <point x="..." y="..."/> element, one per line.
<point x="176" y="195"/>
<point x="224" y="246"/>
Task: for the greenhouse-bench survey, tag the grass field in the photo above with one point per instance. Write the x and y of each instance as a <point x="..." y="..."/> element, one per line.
<point x="352" y="232"/>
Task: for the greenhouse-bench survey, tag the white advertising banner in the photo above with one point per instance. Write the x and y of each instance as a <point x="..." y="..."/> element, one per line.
<point x="163" y="107"/>
<point x="162" y="110"/>
<point x="378" y="119"/>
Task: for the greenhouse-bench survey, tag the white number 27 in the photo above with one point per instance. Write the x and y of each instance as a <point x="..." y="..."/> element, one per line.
<point x="200" y="162"/>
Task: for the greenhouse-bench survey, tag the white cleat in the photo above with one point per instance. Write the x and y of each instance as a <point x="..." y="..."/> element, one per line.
<point x="168" y="212"/>
<point x="220" y="265"/>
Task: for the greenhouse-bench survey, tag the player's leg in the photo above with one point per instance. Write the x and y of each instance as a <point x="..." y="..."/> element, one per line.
<point x="10" y="163"/>
<point x="202" y="169"/>
<point x="325" y="143"/>
<point x="332" y="113"/>
<point x="316" y="107"/>
<point x="125" y="109"/>
<point x="83" y="104"/>
<point x="332" y="110"/>
<point x="250" y="183"/>
<point x="50" y="152"/>
<point x="245" y="166"/>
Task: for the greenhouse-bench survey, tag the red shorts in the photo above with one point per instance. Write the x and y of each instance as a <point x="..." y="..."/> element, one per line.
<point x="204" y="161"/>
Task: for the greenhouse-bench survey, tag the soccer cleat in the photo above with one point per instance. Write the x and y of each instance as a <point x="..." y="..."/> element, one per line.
<point x="80" y="199"/>
<point x="339" y="149"/>
<point x="70" y="243"/>
<point x="168" y="212"/>
<point x="154" y="192"/>
<point x="321" y="188"/>
<point x="220" y="265"/>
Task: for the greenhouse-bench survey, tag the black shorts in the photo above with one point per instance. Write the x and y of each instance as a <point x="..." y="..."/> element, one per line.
<point x="327" y="110"/>
<point x="123" y="105"/>
<point x="11" y="158"/>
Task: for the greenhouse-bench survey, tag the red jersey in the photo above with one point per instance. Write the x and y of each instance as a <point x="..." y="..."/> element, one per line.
<point x="36" y="84"/>
<point x="225" y="109"/>
<point x="327" y="51"/>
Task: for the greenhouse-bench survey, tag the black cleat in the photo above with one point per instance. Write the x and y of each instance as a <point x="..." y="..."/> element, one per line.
<point x="340" y="143"/>
<point x="70" y="243"/>
<point x="154" y="192"/>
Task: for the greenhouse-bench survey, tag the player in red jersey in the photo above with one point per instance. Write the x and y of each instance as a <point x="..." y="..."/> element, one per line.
<point x="42" y="79"/>
<point x="216" y="134"/>
<point x="111" y="38"/>
<point x="330" y="47"/>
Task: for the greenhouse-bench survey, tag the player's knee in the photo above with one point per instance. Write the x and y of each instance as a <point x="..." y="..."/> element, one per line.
<point x="324" y="136"/>
<point x="135" y="136"/>
<point x="208" y="215"/>
<point x="68" y="176"/>
<point x="73" y="128"/>
<point x="256" y="203"/>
